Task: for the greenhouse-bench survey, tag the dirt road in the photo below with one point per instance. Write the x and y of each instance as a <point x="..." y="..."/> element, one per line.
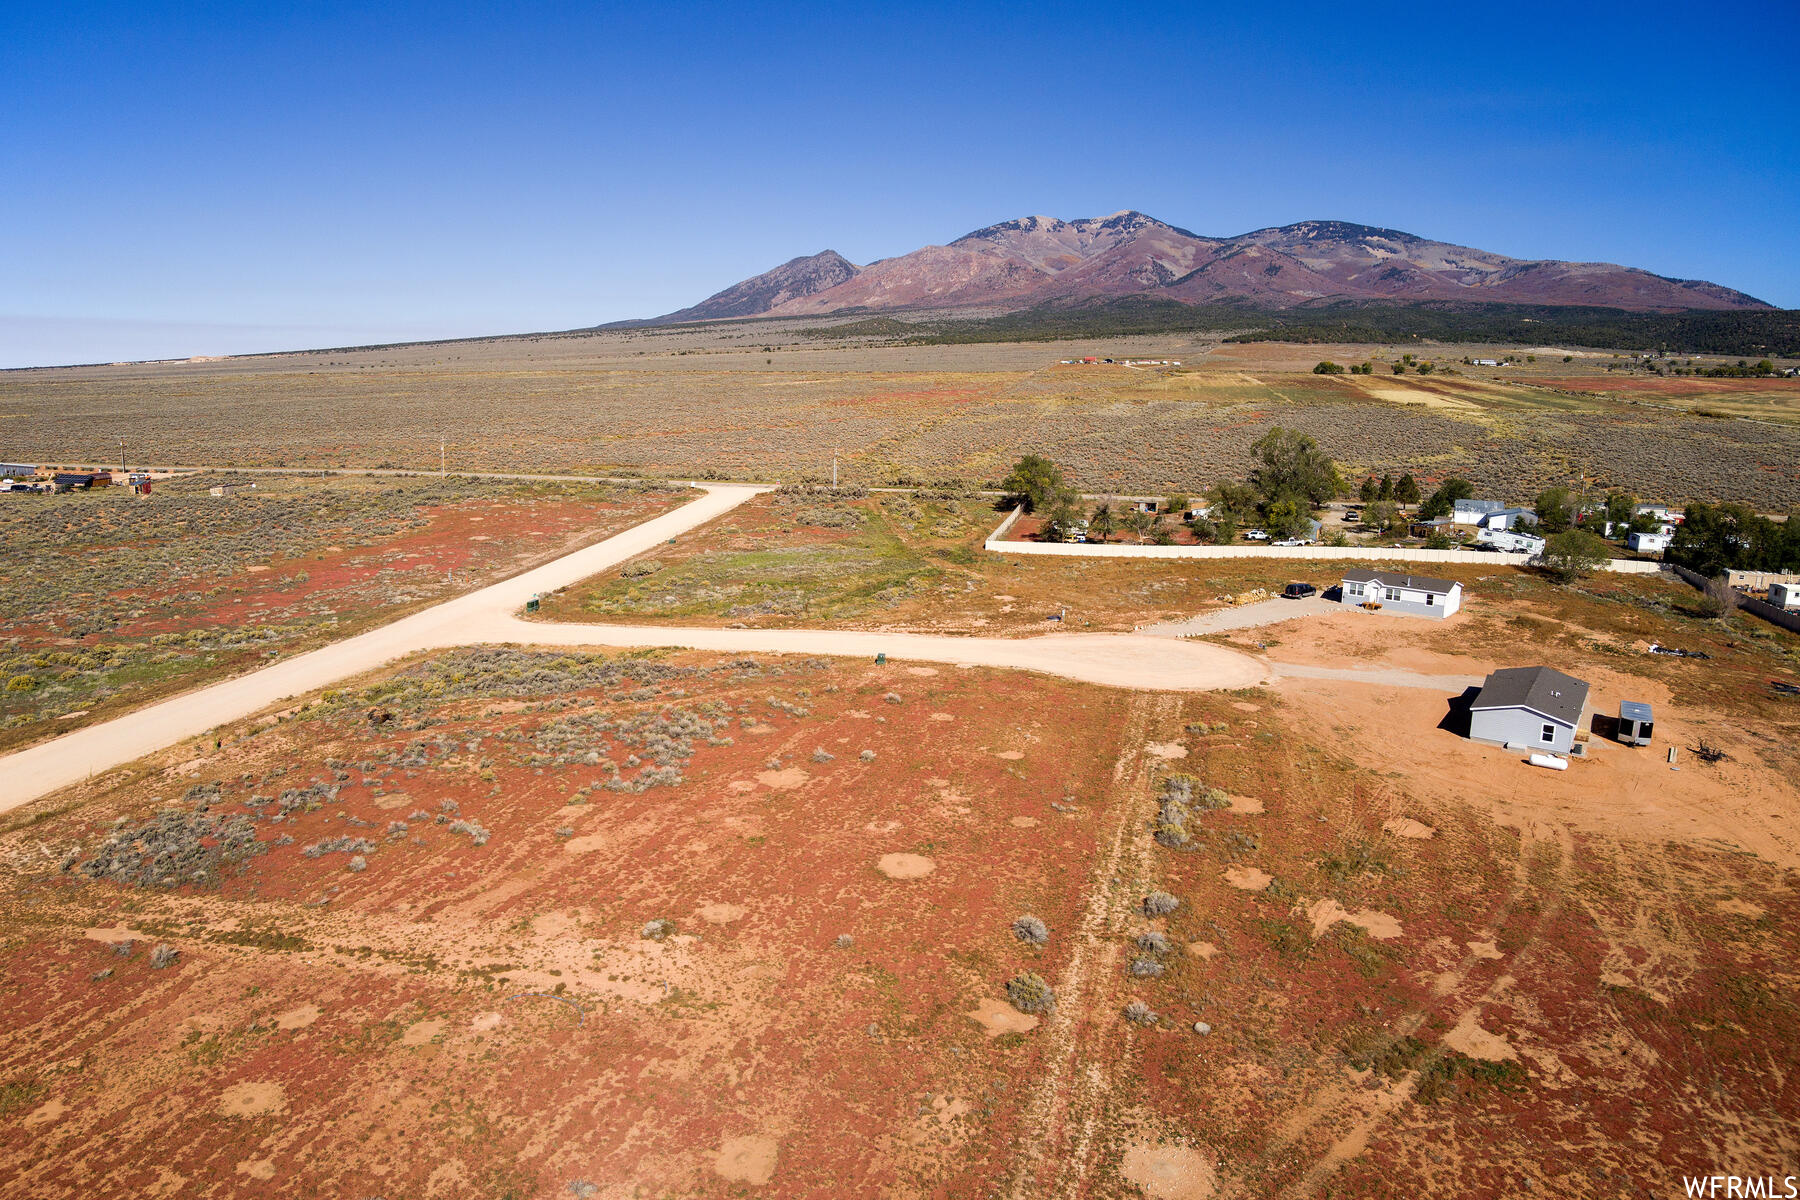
<point x="489" y="616"/>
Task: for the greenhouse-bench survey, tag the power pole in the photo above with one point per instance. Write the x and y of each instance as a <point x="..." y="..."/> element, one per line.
<point x="121" y="456"/>
<point x="443" y="459"/>
<point x="834" y="468"/>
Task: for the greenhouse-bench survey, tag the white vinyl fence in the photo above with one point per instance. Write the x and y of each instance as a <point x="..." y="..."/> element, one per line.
<point x="998" y="545"/>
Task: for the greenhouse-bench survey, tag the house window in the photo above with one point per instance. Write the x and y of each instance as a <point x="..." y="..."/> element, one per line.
<point x="1353" y="589"/>
<point x="1549" y="733"/>
<point x="1430" y="598"/>
<point x="1393" y="593"/>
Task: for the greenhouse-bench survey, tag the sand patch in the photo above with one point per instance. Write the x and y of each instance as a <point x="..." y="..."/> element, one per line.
<point x="720" y="914"/>
<point x="1471" y="1039"/>
<point x="47" y="1113"/>
<point x="420" y="1033"/>
<point x="1246" y="706"/>
<point x="1169" y="1172"/>
<point x="298" y="1018"/>
<point x="1249" y="879"/>
<point x="759" y="728"/>
<point x="1326" y="913"/>
<point x="584" y="845"/>
<point x="262" y="1168"/>
<point x="1250" y="806"/>
<point x="1742" y="908"/>
<point x="114" y="935"/>
<point x="785" y="780"/>
<point x="482" y="1022"/>
<point x="905" y="866"/>
<point x="252" y="1099"/>
<point x="1022" y="822"/>
<point x="1202" y="950"/>
<point x="1406" y="827"/>
<point x="1010" y="755"/>
<point x="998" y="1017"/>
<point x="748" y="1160"/>
<point x="256" y="570"/>
<point x="942" y="717"/>
<point x="393" y="800"/>
<point x="741" y="786"/>
<point x="921" y="670"/>
<point x="1484" y="950"/>
<point x="1166" y="750"/>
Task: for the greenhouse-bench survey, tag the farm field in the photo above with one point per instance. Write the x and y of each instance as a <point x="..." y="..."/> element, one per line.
<point x="768" y="401"/>
<point x="671" y="923"/>
<point x="112" y="600"/>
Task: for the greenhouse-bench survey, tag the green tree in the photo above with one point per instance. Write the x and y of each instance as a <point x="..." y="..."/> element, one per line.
<point x="1063" y="517"/>
<point x="1037" y="483"/>
<point x="1328" y="368"/>
<point x="1406" y="490"/>
<point x="1293" y="465"/>
<point x="1553" y="508"/>
<point x="1398" y="368"/>
<point x="1386" y="491"/>
<point x="1101" y="523"/>
<point x="1437" y="539"/>
<point x="1575" y="552"/>
<point x="1382" y="516"/>
<point x="1239" y="501"/>
<point x="1620" y="510"/>
<point x="1177" y="504"/>
<point x="1441" y="502"/>
<point x="1370" y="490"/>
<point x="1286" y="517"/>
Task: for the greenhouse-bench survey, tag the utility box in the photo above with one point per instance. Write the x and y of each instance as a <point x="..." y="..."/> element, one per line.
<point x="1635" y="723"/>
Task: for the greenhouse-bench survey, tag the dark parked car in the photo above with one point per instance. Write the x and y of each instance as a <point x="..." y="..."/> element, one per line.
<point x="1299" y="591"/>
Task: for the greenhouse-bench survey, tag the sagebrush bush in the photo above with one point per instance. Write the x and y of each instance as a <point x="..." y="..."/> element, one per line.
<point x="1160" y="904"/>
<point x="1030" y="994"/>
<point x="1030" y="929"/>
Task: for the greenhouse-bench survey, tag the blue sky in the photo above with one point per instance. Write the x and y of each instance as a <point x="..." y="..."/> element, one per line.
<point x="195" y="179"/>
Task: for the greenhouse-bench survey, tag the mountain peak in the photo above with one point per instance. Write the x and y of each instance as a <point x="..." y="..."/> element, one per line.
<point x="1039" y="259"/>
<point x="794" y="279"/>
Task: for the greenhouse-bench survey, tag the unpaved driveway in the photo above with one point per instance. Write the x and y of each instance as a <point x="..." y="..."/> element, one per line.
<point x="488" y="616"/>
<point x="1246" y="616"/>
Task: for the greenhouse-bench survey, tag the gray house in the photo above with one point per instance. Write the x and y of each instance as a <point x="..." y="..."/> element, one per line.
<point x="1394" y="592"/>
<point x="1539" y="708"/>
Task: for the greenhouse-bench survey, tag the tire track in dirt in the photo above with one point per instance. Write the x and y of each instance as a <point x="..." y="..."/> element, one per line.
<point x="1075" y="1027"/>
<point x="1360" y="1113"/>
<point x="1104" y="1061"/>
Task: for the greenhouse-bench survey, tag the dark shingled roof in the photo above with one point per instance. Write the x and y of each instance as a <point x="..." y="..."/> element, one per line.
<point x="1389" y="579"/>
<point x="1541" y="689"/>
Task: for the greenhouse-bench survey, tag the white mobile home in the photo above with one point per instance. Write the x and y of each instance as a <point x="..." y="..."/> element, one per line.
<point x="1393" y="592"/>
<point x="1648" y="543"/>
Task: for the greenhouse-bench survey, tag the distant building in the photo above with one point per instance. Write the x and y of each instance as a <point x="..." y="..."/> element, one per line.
<point x="1484" y="362"/>
<point x="17" y="470"/>
<point x="1536" y="708"/>
<point x="228" y="489"/>
<point x="1415" y="594"/>
<point x="1648" y="543"/>
<point x="1470" y="512"/>
<point x="1508" y="518"/>
<point x="1784" y="595"/>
